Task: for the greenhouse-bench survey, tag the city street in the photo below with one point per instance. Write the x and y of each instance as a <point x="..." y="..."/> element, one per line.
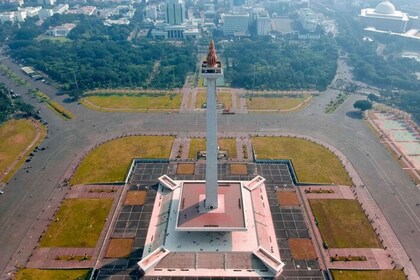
<point x="28" y="193"/>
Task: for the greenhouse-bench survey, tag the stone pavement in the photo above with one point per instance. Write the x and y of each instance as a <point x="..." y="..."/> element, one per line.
<point x="376" y="258"/>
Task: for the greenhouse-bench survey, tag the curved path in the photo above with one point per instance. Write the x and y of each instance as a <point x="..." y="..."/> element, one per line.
<point x="28" y="193"/>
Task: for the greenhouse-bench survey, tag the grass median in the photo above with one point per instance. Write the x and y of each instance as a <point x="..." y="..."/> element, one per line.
<point x="312" y="162"/>
<point x="110" y="161"/>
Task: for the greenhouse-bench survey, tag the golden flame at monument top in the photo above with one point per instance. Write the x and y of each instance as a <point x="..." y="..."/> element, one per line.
<point x="211" y="56"/>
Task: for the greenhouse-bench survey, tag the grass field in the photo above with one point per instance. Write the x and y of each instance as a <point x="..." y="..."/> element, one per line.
<point x="387" y="274"/>
<point x="238" y="169"/>
<point x="185" y="169"/>
<point x="78" y="223"/>
<point x="60" y="39"/>
<point x="302" y="249"/>
<point x="199" y="144"/>
<point x="287" y="198"/>
<point x="110" y="161"/>
<point x="119" y="248"/>
<point x="196" y="144"/>
<point x="222" y="97"/>
<point x="228" y="145"/>
<point x="343" y="224"/>
<point x="52" y="274"/>
<point x="15" y="137"/>
<point x="312" y="162"/>
<point x="135" y="198"/>
<point x="273" y="103"/>
<point x="133" y="102"/>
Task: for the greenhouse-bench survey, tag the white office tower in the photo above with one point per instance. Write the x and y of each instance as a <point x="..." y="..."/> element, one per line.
<point x="235" y="23"/>
<point x="211" y="70"/>
<point x="175" y="12"/>
<point x="263" y="24"/>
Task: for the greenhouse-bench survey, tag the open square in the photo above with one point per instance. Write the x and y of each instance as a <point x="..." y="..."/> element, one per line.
<point x="302" y="249"/>
<point x="343" y="224"/>
<point x="287" y="198"/>
<point x="135" y="198"/>
<point x="119" y="248"/>
<point x="185" y="169"/>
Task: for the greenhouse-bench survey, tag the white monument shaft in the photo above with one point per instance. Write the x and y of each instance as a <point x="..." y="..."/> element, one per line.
<point x="211" y="71"/>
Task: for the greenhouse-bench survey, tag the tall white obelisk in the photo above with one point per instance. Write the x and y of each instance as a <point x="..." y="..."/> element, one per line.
<point x="211" y="69"/>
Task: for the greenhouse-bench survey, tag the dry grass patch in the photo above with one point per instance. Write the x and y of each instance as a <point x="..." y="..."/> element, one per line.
<point x="196" y="144"/>
<point x="133" y="101"/>
<point x="222" y="97"/>
<point x="52" y="274"/>
<point x="78" y="223"/>
<point x="119" y="248"/>
<point x="312" y="162"/>
<point x="15" y="137"/>
<point x="110" y="161"/>
<point x="287" y="198"/>
<point x="229" y="145"/>
<point x="302" y="249"/>
<point x="343" y="224"/>
<point x="273" y="103"/>
<point x="135" y="198"/>
<point x="386" y="274"/>
<point x="185" y="169"/>
<point x="238" y="169"/>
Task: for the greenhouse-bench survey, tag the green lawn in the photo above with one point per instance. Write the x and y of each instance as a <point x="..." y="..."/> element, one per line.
<point x="199" y="144"/>
<point x="52" y="274"/>
<point x="273" y="103"/>
<point x="224" y="97"/>
<point x="110" y="161"/>
<point x="343" y="224"/>
<point x="312" y="162"/>
<point x="78" y="223"/>
<point x="15" y="137"/>
<point x="387" y="274"/>
<point x="196" y="144"/>
<point x="134" y="102"/>
<point x="228" y="145"/>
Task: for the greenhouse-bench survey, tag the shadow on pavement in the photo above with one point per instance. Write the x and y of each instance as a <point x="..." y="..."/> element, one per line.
<point x="357" y="115"/>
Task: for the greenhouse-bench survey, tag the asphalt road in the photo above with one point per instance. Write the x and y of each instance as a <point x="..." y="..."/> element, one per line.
<point x="27" y="193"/>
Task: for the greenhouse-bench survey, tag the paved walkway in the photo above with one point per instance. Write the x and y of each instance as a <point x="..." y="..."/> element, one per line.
<point x="390" y="143"/>
<point x="375" y="259"/>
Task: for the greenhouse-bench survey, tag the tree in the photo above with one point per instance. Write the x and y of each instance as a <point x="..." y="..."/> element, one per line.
<point x="362" y="105"/>
<point x="372" y="97"/>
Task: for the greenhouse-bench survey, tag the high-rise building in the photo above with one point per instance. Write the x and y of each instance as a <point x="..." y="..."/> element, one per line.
<point x="235" y="23"/>
<point x="175" y="12"/>
<point x="308" y="19"/>
<point x="263" y="24"/>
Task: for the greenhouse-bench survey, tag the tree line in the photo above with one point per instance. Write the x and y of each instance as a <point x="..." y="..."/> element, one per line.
<point x="264" y="64"/>
<point x="99" y="56"/>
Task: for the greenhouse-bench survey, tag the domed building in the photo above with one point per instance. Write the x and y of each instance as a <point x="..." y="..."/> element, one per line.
<point x="385" y="17"/>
